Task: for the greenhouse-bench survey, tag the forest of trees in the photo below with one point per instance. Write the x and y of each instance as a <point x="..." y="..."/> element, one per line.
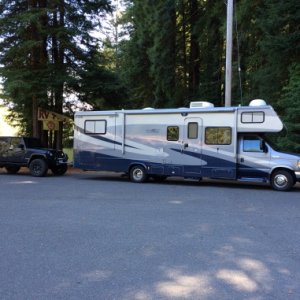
<point x="162" y="53"/>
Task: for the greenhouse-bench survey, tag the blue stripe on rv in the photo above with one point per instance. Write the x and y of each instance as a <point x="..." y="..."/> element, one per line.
<point x="221" y="168"/>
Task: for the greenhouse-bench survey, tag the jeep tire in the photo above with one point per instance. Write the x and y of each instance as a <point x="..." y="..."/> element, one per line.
<point x="38" y="167"/>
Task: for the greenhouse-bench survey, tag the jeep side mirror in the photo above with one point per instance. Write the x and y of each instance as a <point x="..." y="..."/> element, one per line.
<point x="21" y="146"/>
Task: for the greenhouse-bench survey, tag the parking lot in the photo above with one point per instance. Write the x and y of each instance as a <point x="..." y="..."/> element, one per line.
<point x="98" y="236"/>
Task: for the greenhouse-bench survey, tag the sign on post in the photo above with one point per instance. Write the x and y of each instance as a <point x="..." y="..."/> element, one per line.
<point x="50" y="119"/>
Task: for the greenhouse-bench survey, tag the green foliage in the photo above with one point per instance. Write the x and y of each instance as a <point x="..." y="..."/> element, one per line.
<point x="99" y="85"/>
<point x="290" y="110"/>
<point x="163" y="32"/>
<point x="176" y="54"/>
<point x="134" y="59"/>
<point x="167" y="54"/>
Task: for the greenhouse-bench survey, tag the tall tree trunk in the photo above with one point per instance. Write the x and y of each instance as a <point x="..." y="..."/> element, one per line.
<point x="34" y="61"/>
<point x="184" y="46"/>
<point x="58" y="63"/>
<point x="43" y="134"/>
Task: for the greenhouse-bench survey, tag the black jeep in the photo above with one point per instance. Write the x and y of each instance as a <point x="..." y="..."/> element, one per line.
<point x="17" y="152"/>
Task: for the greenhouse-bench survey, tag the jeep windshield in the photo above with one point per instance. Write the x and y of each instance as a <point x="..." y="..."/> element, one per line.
<point x="32" y="143"/>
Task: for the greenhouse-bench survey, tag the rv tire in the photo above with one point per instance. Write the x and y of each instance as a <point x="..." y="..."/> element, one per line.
<point x="282" y="180"/>
<point x="138" y="174"/>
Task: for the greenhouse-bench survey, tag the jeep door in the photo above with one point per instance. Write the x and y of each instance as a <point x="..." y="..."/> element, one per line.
<point x="16" y="151"/>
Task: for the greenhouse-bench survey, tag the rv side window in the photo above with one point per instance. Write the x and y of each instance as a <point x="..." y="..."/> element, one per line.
<point x="252" y="144"/>
<point x="192" y="130"/>
<point x="253" y="117"/>
<point x="218" y="135"/>
<point x="95" y="126"/>
<point x="173" y="133"/>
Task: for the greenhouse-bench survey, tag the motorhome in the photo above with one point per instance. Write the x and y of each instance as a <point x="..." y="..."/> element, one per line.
<point x="201" y="141"/>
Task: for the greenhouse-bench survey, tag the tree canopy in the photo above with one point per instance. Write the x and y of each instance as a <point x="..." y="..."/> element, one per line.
<point x="45" y="46"/>
<point x="176" y="54"/>
<point x="160" y="54"/>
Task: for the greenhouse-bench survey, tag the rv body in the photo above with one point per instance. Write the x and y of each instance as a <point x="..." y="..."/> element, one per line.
<point x="196" y="142"/>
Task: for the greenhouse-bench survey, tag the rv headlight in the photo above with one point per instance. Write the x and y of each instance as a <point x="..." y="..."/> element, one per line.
<point x="298" y="164"/>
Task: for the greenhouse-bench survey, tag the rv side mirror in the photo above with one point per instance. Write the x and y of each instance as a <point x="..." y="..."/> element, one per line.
<point x="263" y="146"/>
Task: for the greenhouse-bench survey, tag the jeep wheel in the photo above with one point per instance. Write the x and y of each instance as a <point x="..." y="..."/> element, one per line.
<point x="59" y="170"/>
<point x="38" y="167"/>
<point x="12" y="169"/>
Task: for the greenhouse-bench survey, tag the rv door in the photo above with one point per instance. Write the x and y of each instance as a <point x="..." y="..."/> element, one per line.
<point x="192" y="147"/>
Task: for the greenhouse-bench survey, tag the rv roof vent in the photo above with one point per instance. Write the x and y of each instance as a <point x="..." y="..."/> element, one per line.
<point x="148" y="108"/>
<point x="257" y="102"/>
<point x="201" y="104"/>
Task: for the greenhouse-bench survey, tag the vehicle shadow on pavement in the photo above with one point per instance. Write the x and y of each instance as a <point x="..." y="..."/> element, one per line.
<point x="113" y="177"/>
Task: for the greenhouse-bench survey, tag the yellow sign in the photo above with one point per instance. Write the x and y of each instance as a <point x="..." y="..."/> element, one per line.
<point x="50" y="125"/>
<point x="50" y="119"/>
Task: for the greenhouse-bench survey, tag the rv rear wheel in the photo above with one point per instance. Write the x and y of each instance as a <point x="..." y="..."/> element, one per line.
<point x="282" y="180"/>
<point x="138" y="174"/>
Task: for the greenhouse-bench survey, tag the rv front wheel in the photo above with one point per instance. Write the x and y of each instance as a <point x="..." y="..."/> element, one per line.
<point x="138" y="174"/>
<point x="282" y="180"/>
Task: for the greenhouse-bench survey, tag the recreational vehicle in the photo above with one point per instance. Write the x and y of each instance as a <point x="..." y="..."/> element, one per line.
<point x="195" y="142"/>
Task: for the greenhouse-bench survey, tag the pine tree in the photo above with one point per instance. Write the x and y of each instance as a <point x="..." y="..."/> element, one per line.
<point x="44" y="45"/>
<point x="265" y="48"/>
<point x="162" y="54"/>
<point x="23" y="57"/>
<point x="211" y="32"/>
<point x="290" y="106"/>
<point x="134" y="59"/>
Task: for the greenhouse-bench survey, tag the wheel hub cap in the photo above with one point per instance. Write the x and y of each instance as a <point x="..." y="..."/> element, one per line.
<point x="281" y="180"/>
<point x="138" y="174"/>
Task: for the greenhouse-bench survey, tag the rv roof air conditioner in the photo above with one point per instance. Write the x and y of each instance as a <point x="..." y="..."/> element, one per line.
<point x="201" y="104"/>
<point x="258" y="102"/>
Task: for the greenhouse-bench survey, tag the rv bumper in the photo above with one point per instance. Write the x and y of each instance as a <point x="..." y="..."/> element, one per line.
<point x="297" y="175"/>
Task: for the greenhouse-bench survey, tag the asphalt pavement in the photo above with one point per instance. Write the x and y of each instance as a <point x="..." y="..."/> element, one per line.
<point x="98" y="236"/>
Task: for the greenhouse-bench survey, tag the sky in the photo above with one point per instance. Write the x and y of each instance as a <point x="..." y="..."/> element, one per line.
<point x="5" y="129"/>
